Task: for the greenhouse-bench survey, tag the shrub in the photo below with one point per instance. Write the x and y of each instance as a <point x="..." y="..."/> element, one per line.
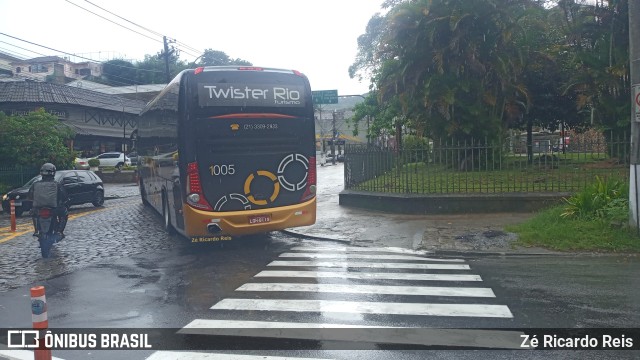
<point x="606" y="199"/>
<point x="417" y="148"/>
<point x="94" y="162"/>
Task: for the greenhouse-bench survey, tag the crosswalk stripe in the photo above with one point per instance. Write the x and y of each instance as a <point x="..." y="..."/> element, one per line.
<point x="364" y="256"/>
<point x="368" y="276"/>
<point x="364" y="264"/>
<point x="370" y="289"/>
<point x="474" y="338"/>
<point x="325" y="306"/>
<point x="190" y="355"/>
<point x="361" y="249"/>
<point x="251" y="324"/>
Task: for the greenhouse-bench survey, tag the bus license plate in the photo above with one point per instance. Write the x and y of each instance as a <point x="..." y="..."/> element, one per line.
<point x="17" y="203"/>
<point x="259" y="219"/>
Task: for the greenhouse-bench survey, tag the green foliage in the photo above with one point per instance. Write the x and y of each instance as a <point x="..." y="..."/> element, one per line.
<point x="472" y="69"/>
<point x="218" y="58"/>
<point x="4" y="188"/>
<point x="550" y="230"/>
<point x="152" y="70"/>
<point x="94" y="162"/>
<point x="35" y="139"/>
<point x="119" y="73"/>
<point x="417" y="148"/>
<point x="605" y="199"/>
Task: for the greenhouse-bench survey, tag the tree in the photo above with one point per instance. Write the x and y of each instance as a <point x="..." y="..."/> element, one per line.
<point x="598" y="40"/>
<point x="152" y="69"/>
<point x="35" y="139"/>
<point x="119" y="73"/>
<point x="219" y="58"/>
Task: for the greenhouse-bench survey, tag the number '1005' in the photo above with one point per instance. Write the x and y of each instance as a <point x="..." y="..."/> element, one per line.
<point x="221" y="170"/>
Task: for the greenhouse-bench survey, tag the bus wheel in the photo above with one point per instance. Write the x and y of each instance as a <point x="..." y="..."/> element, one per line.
<point x="166" y="216"/>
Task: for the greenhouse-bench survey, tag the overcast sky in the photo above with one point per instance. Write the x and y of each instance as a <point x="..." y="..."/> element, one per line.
<point x="316" y="37"/>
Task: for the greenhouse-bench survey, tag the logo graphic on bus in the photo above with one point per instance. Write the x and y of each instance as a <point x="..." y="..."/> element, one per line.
<point x="228" y="94"/>
<point x="282" y="170"/>
<point x="238" y="197"/>
<point x="247" y="187"/>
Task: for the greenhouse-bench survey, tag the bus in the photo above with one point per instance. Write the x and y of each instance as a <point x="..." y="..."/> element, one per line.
<point x="227" y="151"/>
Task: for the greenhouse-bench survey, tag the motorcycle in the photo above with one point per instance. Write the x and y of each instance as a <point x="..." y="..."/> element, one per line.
<point x="47" y="225"/>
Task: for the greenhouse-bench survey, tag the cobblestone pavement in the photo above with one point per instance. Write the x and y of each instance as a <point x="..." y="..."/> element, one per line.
<point x="123" y="227"/>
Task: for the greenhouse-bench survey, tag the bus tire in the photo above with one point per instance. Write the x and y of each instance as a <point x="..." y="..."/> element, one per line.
<point x="166" y="215"/>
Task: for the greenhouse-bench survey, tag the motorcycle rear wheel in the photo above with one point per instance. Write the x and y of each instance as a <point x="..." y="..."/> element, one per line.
<point x="46" y="242"/>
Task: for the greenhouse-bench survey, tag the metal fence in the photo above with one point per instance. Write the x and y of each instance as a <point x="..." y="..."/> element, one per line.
<point x="481" y="167"/>
<point x="15" y="176"/>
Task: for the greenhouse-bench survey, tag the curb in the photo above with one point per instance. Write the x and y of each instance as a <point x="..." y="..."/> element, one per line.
<point x="480" y="253"/>
<point x="476" y="253"/>
<point x="312" y="237"/>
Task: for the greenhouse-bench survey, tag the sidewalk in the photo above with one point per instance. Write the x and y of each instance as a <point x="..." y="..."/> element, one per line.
<point x="469" y="233"/>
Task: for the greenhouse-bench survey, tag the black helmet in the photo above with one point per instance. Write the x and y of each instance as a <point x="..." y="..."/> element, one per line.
<point x="48" y="169"/>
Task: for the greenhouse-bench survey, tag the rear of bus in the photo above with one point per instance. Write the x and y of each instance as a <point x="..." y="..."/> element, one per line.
<point x="250" y="153"/>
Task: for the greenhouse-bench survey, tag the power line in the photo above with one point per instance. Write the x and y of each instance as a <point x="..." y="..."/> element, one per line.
<point x="21" y="48"/>
<point x="111" y="21"/>
<point x="129" y="21"/>
<point x="82" y="57"/>
<point x="185" y="46"/>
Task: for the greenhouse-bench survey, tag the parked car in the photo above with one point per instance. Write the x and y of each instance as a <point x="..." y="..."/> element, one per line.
<point x="82" y="186"/>
<point x="133" y="156"/>
<point x="115" y="159"/>
<point x="81" y="164"/>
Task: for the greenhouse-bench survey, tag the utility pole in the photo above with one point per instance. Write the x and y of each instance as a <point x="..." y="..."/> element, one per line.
<point x="634" y="61"/>
<point x="166" y="58"/>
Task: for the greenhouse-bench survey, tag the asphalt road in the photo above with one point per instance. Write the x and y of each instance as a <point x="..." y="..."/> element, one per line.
<point x="117" y="269"/>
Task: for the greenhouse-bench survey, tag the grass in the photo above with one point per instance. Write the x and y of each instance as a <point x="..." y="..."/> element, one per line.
<point x="550" y="230"/>
<point x="549" y="173"/>
<point x="421" y="178"/>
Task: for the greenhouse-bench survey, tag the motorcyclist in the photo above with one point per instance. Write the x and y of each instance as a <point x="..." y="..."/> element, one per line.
<point x="49" y="193"/>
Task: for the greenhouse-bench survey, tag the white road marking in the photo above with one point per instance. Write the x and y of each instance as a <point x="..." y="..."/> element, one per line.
<point x="368" y="276"/>
<point x="370" y="289"/>
<point x="355" y="307"/>
<point x="364" y="264"/>
<point x="361" y="249"/>
<point x="249" y="324"/>
<point x="474" y="338"/>
<point x="190" y="355"/>
<point x="364" y="256"/>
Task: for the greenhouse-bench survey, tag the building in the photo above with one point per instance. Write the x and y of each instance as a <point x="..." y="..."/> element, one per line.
<point x="48" y="68"/>
<point x="6" y="67"/>
<point x="102" y="122"/>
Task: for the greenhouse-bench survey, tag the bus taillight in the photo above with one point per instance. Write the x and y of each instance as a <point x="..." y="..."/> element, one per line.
<point x="310" y="191"/>
<point x="195" y="196"/>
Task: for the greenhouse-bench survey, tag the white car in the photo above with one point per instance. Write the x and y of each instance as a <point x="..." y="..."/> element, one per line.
<point x="115" y="159"/>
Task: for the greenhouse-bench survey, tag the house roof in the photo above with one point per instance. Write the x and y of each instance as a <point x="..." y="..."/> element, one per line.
<point x="43" y="59"/>
<point x="9" y="57"/>
<point x="47" y="93"/>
